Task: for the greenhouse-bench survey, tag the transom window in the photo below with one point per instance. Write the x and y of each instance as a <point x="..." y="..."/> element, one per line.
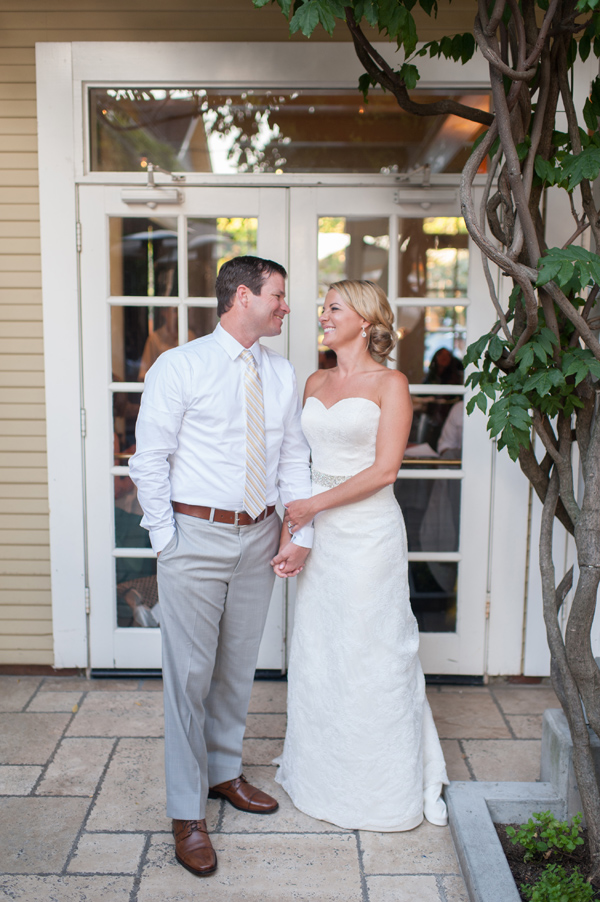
<point x="278" y="131"/>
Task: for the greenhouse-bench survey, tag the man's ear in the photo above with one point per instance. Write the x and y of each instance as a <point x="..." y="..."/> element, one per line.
<point x="242" y="295"/>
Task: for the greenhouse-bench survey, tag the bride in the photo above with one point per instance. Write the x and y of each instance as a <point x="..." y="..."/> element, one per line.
<point x="361" y="749"/>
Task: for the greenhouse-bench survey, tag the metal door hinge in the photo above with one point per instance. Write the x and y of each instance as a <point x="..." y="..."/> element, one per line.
<point x="78" y="237"/>
<point x="87" y="599"/>
<point x="83" y="421"/>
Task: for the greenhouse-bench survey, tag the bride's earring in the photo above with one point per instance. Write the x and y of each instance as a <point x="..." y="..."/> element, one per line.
<point x="363" y="333"/>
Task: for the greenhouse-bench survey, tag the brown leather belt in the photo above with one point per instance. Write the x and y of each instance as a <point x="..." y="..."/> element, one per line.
<point x="234" y="518"/>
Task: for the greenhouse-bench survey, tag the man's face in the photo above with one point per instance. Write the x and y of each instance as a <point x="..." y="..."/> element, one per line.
<point x="268" y="309"/>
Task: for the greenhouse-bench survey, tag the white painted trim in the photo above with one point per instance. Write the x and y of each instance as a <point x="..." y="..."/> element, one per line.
<point x="61" y="334"/>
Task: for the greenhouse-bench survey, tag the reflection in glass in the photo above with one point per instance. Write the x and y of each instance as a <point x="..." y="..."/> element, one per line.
<point x="137" y="592"/>
<point x="327" y="356"/>
<point x="139" y="335"/>
<point x="433" y="259"/>
<point x="202" y="321"/>
<point x="143" y="257"/>
<point x="210" y="243"/>
<point x="126" y="407"/>
<point x="437" y="430"/>
<point x="352" y="247"/>
<point x="432" y="342"/>
<point x="278" y="130"/>
<point x="433" y="595"/>
<point x="431" y="511"/>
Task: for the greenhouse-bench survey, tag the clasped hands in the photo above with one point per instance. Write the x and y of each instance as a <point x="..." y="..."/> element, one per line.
<point x="291" y="557"/>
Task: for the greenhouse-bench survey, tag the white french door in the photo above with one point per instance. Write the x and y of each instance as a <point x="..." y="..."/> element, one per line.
<point x="147" y="283"/>
<point x="414" y="244"/>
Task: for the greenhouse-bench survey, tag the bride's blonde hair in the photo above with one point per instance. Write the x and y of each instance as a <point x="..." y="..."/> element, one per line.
<point x="370" y="301"/>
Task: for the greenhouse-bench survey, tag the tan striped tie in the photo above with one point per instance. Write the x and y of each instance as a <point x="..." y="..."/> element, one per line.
<point x="255" y="491"/>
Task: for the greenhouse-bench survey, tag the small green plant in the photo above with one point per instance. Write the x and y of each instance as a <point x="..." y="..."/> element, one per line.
<point x="555" y="885"/>
<point x="546" y="836"/>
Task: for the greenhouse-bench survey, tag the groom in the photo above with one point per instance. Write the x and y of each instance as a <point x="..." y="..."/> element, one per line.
<point x="218" y="438"/>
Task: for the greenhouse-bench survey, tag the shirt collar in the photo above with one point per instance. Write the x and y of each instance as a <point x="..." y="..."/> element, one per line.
<point x="233" y="348"/>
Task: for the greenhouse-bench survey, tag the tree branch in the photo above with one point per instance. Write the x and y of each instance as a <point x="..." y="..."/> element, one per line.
<point x="379" y="70"/>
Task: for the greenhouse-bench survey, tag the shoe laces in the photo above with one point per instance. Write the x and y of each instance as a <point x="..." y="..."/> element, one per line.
<point x="192" y="827"/>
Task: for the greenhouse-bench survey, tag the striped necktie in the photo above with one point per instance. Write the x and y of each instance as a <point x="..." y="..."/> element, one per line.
<point x="255" y="490"/>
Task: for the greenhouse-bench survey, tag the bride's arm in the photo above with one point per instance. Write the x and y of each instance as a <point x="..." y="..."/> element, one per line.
<point x="392" y="436"/>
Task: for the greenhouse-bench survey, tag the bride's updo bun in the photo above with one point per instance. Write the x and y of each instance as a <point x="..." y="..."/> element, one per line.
<point x="370" y="301"/>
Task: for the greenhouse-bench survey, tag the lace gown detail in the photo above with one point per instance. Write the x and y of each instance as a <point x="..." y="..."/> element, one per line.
<point x="361" y="745"/>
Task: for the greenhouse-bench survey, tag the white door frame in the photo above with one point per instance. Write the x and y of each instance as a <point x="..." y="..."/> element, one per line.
<point x="64" y="72"/>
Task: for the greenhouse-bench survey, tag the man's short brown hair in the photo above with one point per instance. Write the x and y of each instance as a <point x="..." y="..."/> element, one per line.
<point x="252" y="272"/>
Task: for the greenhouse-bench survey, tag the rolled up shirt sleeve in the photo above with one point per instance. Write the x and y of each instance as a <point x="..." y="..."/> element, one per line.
<point x="159" y="421"/>
<point x="293" y="473"/>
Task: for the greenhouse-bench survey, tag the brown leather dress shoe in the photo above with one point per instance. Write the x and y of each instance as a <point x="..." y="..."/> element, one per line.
<point x="193" y="848"/>
<point x="244" y="796"/>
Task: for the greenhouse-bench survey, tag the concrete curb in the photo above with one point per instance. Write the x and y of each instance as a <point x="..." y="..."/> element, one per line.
<point x="474" y="808"/>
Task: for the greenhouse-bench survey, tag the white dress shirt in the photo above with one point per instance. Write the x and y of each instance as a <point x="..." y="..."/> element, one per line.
<point x="191" y="433"/>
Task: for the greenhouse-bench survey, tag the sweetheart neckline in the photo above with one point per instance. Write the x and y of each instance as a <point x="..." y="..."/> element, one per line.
<point x="369" y="401"/>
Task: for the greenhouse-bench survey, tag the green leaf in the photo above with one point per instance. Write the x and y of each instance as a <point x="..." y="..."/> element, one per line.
<point x="370" y="13"/>
<point x="326" y="18"/>
<point x="468" y="47"/>
<point x="585" y="165"/>
<point x="306" y="18"/>
<point x="496" y="347"/>
<point x="476" y="349"/>
<point x="364" y="83"/>
<point x="524" y="357"/>
<point x="546" y="171"/>
<point x="548" y="270"/>
<point x="456" y="47"/>
<point x="539" y="382"/>
<point x="410" y="75"/>
<point x="481" y="402"/>
<point x="585" y="45"/>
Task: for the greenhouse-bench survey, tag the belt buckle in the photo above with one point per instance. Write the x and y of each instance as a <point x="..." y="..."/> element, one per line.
<point x="235" y="518"/>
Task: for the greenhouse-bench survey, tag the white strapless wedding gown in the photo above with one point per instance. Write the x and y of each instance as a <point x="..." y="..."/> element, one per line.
<point x="361" y="749"/>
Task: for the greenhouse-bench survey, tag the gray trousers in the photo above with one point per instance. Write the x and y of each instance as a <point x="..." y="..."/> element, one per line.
<point x="214" y="585"/>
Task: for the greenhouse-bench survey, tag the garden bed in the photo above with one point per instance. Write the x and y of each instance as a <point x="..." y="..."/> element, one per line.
<point x="528" y="872"/>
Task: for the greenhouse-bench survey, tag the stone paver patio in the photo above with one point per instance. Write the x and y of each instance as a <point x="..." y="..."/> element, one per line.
<point x="82" y="800"/>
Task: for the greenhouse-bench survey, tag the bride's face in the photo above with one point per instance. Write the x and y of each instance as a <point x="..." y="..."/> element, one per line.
<point x="340" y="323"/>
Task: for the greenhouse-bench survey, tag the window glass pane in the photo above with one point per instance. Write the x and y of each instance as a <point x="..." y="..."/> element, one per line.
<point x="201" y="321"/>
<point x="431" y="511"/>
<point x="139" y="336"/>
<point x="353" y="247"/>
<point x="278" y="130"/>
<point x="143" y="257"/>
<point x="126" y="407"/>
<point x="137" y="593"/>
<point x="433" y="595"/>
<point x="211" y="242"/>
<point x="432" y="343"/>
<point x="433" y="258"/>
<point x="436" y="432"/>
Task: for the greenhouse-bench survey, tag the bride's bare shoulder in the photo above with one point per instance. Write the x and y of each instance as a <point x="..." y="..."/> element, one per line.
<point x="314" y="382"/>
<point x="393" y="384"/>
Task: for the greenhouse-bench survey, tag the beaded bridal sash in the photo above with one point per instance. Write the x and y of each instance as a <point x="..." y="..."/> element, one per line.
<point x="325" y="479"/>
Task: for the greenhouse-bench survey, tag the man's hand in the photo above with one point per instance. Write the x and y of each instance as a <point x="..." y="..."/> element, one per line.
<point x="290" y="560"/>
